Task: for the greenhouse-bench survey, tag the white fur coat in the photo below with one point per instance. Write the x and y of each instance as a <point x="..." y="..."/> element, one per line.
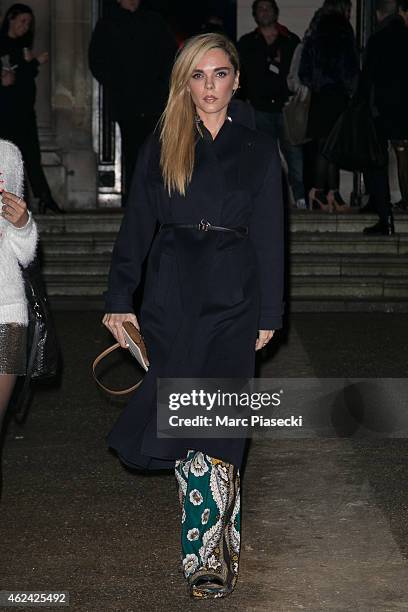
<point x="17" y="246"/>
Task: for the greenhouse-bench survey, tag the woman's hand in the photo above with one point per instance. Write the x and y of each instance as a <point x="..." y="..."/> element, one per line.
<point x="114" y="323"/>
<point x="14" y="209"/>
<point x="264" y="336"/>
<point x="8" y="78"/>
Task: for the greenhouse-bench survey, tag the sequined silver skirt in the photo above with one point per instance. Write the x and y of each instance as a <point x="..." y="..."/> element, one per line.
<point x="13" y="348"/>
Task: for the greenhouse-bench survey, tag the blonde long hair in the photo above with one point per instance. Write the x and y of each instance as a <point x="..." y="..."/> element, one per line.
<point x="177" y="133"/>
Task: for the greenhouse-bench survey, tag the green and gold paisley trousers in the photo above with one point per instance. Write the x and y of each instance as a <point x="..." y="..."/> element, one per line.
<point x="209" y="492"/>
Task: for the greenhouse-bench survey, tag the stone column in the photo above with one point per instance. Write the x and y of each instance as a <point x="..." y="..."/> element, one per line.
<point x="72" y="99"/>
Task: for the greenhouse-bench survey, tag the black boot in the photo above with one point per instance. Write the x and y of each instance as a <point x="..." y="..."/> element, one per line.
<point x="381" y="228"/>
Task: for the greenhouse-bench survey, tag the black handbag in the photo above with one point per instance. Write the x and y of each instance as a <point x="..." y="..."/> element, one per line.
<point x="43" y="361"/>
<point x="44" y="354"/>
<point x="353" y="144"/>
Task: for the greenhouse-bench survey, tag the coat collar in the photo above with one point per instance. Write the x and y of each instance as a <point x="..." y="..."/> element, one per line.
<point x="204" y="133"/>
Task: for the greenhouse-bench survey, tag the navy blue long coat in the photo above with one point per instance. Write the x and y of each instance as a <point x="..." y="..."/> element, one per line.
<point x="206" y="293"/>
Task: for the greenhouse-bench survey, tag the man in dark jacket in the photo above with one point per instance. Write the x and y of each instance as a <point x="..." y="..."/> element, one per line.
<point x="385" y="82"/>
<point x="266" y="55"/>
<point x="131" y="55"/>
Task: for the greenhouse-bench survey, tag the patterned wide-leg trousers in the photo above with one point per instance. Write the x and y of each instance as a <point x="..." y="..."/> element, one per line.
<point x="209" y="492"/>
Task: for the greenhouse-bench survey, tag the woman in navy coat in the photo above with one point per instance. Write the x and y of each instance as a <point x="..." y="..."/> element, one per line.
<point x="206" y="205"/>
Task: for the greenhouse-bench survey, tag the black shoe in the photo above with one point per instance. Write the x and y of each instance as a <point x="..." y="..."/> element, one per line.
<point x="381" y="228"/>
<point x="48" y="203"/>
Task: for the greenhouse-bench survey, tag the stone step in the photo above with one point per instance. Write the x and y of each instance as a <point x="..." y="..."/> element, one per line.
<point x="334" y="266"/>
<point x="94" y="264"/>
<point x="357" y="288"/>
<point x="337" y="244"/>
<point x="299" y="221"/>
<point x="79" y="243"/>
<point x="300" y="243"/>
<point x="300" y="305"/>
<point x="348" y="266"/>
<point x="327" y="287"/>
<point x="310" y="222"/>
<point x="75" y="285"/>
<point x="342" y="305"/>
<point x="80" y="223"/>
<point x="89" y="264"/>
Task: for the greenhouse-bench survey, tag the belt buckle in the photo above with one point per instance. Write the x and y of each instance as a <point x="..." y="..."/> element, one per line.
<point x="204" y="225"/>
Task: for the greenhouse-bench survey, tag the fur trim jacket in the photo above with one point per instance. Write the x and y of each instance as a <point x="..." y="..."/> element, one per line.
<point x="17" y="247"/>
<point x="329" y="56"/>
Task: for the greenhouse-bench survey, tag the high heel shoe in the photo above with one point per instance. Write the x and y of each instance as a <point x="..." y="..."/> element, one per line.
<point x="48" y="203"/>
<point x="319" y="200"/>
<point x="337" y="202"/>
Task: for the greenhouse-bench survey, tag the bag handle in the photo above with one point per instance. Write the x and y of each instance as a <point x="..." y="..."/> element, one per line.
<point x="98" y="360"/>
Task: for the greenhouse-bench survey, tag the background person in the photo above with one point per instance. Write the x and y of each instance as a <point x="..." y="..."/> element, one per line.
<point x="131" y="54"/>
<point x="329" y="67"/>
<point x="384" y="81"/>
<point x="384" y="11"/>
<point x="266" y="55"/>
<point x="18" y="240"/>
<point x="211" y="297"/>
<point x="18" y="121"/>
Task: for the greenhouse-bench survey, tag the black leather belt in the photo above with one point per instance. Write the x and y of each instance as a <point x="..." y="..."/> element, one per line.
<point x="205" y="226"/>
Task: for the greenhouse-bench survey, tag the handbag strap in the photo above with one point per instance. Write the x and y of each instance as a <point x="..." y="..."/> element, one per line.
<point x="98" y="360"/>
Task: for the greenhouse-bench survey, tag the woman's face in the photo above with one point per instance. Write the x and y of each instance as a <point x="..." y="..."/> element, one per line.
<point x="212" y="83"/>
<point x="20" y="25"/>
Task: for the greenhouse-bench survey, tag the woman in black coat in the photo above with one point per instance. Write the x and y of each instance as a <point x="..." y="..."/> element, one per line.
<point x="329" y="68"/>
<point x="213" y="292"/>
<point x="18" y="122"/>
<point x="384" y="83"/>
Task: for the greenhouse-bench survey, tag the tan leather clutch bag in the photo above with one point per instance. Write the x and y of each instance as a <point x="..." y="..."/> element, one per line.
<point x="136" y="344"/>
<point x="138" y="349"/>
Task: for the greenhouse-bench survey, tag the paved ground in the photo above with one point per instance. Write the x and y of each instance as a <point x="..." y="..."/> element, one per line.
<point x="325" y="521"/>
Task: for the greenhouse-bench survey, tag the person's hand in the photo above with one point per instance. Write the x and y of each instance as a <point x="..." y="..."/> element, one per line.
<point x="264" y="336"/>
<point x="8" y="78"/>
<point x="14" y="209"/>
<point x="114" y="323"/>
<point x="43" y="58"/>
